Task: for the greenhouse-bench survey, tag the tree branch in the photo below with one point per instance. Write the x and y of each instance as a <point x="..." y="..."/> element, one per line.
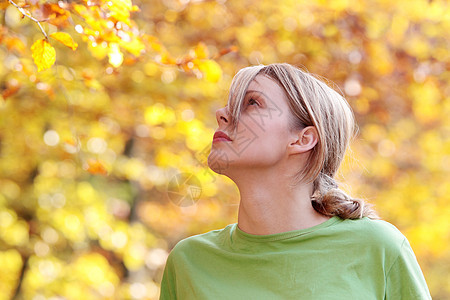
<point x="28" y="15"/>
<point x="21" y="277"/>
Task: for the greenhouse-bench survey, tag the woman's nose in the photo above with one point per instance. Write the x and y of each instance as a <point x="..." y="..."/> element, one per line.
<point x="222" y="115"/>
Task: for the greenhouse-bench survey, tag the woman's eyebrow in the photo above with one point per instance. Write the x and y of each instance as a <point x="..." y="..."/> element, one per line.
<point x="253" y="91"/>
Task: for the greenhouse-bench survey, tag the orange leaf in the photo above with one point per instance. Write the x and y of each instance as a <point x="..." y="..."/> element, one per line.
<point x="44" y="54"/>
<point x="13" y="43"/>
<point x="96" y="167"/>
<point x="71" y="141"/>
<point x="55" y="14"/>
<point x="65" y="38"/>
<point x="12" y="87"/>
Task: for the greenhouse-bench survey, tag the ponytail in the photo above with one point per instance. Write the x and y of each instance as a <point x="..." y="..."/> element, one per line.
<point x="330" y="201"/>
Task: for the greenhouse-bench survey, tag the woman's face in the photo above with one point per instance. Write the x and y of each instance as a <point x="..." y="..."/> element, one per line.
<point x="262" y="133"/>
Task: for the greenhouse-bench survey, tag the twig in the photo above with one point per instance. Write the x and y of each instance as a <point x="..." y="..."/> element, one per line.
<point x="26" y="14"/>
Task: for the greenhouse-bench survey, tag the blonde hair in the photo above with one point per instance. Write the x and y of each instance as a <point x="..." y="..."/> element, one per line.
<point x="311" y="103"/>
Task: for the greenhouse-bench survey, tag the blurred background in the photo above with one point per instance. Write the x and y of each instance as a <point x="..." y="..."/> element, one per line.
<point x="103" y="155"/>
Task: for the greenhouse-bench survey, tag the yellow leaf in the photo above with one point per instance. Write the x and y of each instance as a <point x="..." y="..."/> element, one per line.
<point x="134" y="46"/>
<point x="120" y="10"/>
<point x="99" y="51"/>
<point x="210" y="69"/>
<point x="80" y="9"/>
<point x="156" y="46"/>
<point x="65" y="38"/>
<point x="153" y="43"/>
<point x="201" y="51"/>
<point x="44" y="54"/>
<point x="167" y="59"/>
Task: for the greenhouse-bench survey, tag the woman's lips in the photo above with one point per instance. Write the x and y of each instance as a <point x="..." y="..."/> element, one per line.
<point x="220" y="139"/>
<point x="221" y="136"/>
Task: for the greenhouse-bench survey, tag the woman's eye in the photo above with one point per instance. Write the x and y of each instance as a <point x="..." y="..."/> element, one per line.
<point x="253" y="101"/>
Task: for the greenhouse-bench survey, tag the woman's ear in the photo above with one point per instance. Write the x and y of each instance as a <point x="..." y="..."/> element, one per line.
<point x="304" y="140"/>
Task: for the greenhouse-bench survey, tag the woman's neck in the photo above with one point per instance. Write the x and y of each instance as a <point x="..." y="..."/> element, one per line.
<point x="268" y="205"/>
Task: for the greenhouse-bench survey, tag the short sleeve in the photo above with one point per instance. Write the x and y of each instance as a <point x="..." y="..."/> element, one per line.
<point x="168" y="282"/>
<point x="405" y="279"/>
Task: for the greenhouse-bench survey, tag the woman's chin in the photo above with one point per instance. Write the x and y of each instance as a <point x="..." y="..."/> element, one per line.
<point x="217" y="168"/>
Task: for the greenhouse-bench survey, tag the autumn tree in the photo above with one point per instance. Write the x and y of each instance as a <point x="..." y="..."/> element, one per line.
<point x="105" y="104"/>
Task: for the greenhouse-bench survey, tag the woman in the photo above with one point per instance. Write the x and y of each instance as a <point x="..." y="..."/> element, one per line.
<point x="281" y="139"/>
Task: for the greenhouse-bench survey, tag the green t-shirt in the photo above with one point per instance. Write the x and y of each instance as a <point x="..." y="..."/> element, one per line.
<point x="338" y="259"/>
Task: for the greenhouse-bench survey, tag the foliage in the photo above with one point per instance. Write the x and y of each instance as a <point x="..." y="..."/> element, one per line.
<point x="104" y="102"/>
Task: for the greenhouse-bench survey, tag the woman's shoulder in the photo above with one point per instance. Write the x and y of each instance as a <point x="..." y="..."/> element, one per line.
<point x="375" y="232"/>
<point x="208" y="239"/>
